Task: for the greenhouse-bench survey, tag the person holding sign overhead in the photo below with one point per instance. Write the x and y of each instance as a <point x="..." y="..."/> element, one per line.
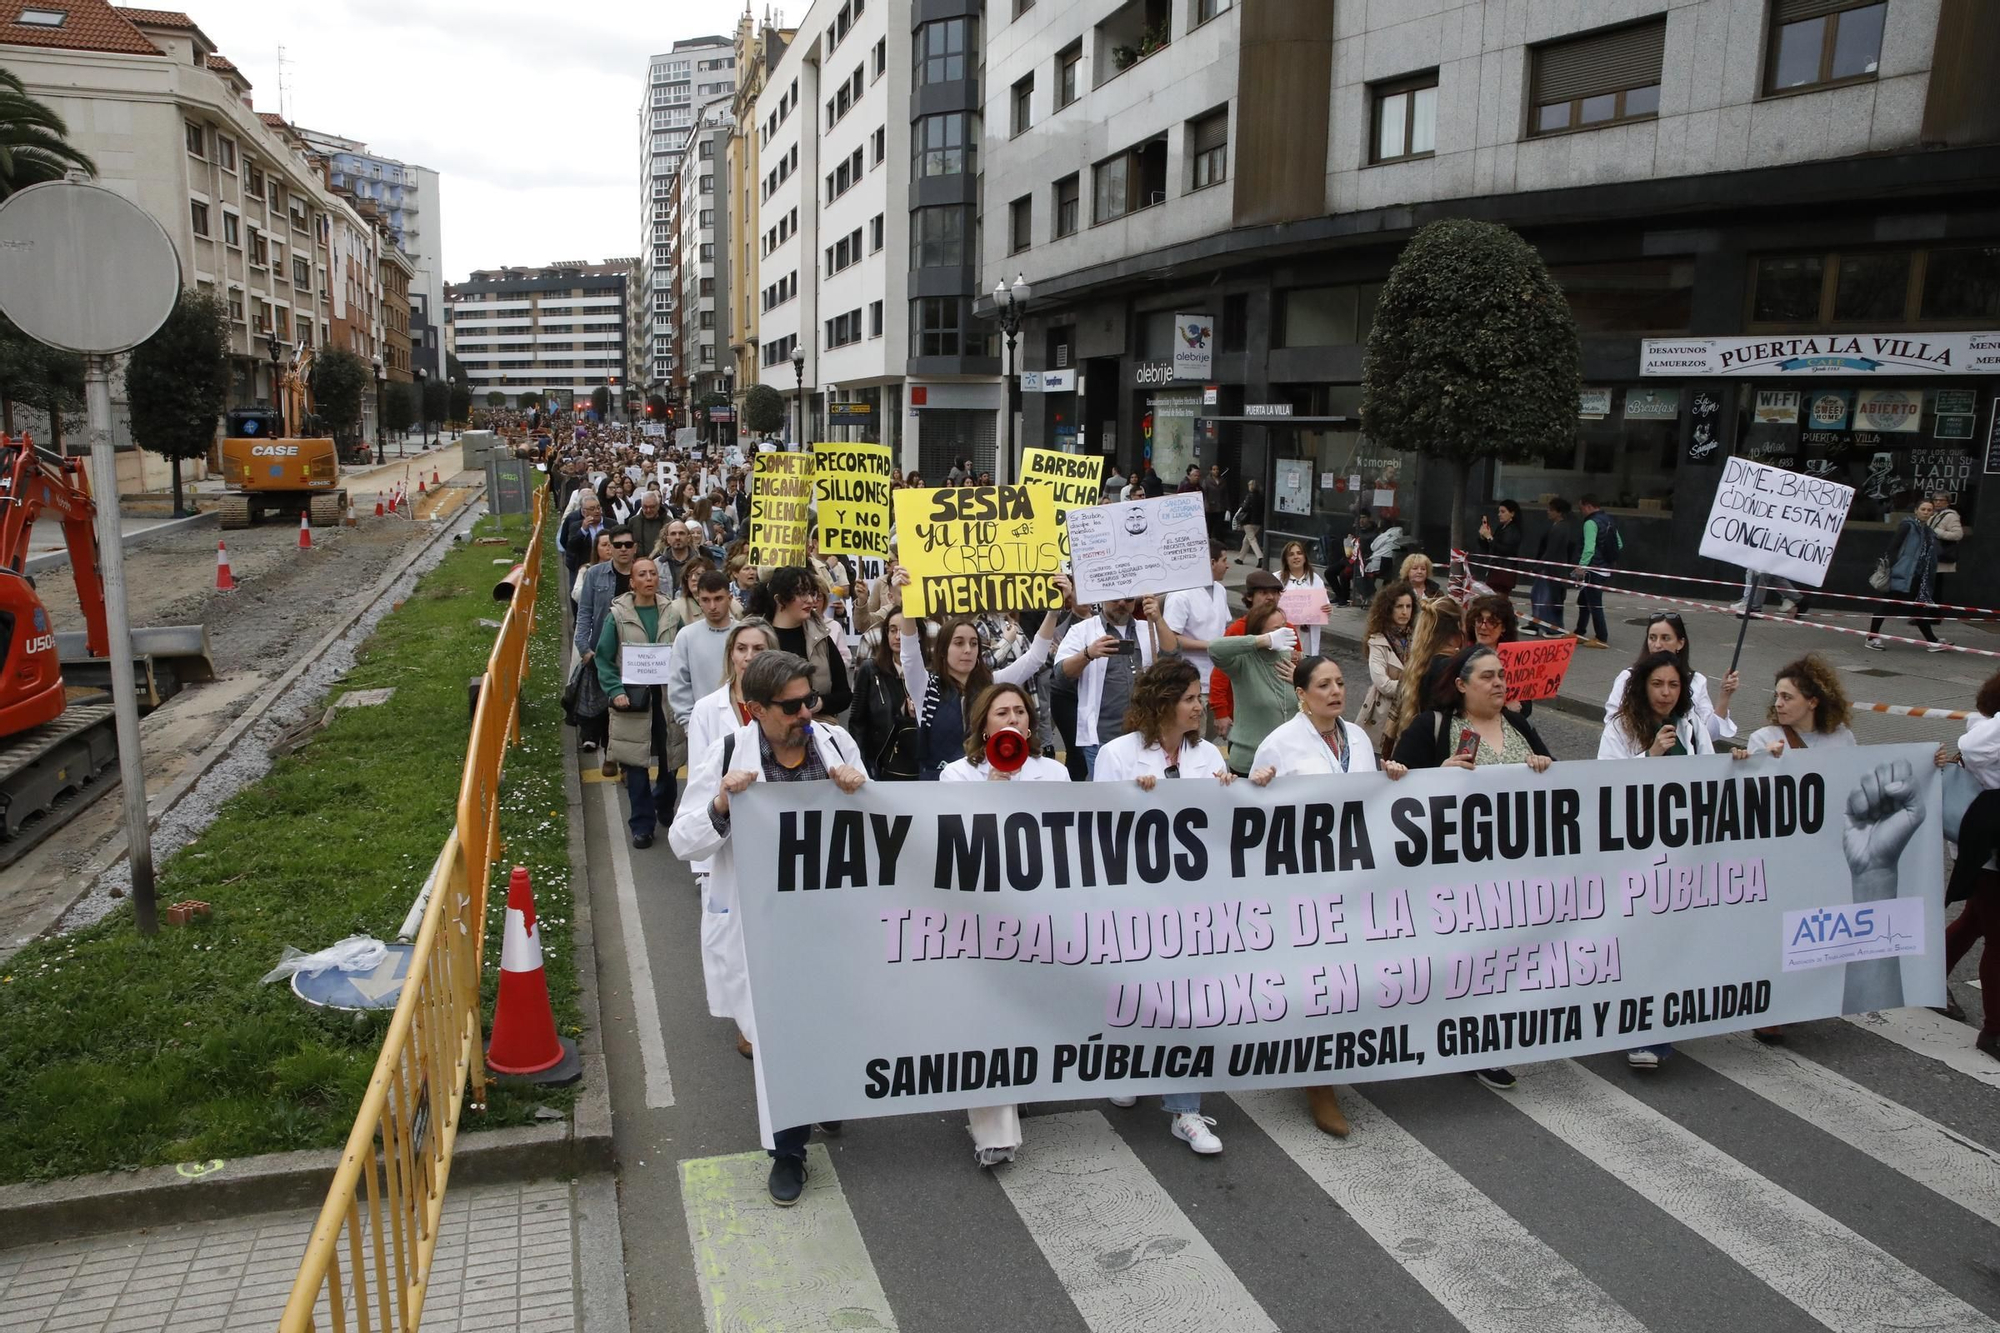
<point x="1162" y="739"/>
<point x="1318" y="741"/>
<point x="1666" y="632"/>
<point x="638" y="719"/>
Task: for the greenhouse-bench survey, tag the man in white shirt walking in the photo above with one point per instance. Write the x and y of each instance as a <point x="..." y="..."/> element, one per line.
<point x="1197" y="615"/>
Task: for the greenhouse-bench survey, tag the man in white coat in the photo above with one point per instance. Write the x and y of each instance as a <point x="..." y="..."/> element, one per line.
<point x="782" y="743"/>
<point x="1104" y="655"/>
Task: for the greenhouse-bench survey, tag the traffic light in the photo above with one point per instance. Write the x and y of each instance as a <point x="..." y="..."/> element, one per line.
<point x="649" y="409"/>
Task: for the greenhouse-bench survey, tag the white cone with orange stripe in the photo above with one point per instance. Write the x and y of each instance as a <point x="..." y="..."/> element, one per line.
<point x="224" y="580"/>
<point x="525" y="1043"/>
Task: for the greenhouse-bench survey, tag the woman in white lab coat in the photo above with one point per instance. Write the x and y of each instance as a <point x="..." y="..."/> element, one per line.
<point x="1667" y="633"/>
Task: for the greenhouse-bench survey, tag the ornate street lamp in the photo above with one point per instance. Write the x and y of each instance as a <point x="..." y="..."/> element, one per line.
<point x="1009" y="304"/>
<point x="799" y="396"/>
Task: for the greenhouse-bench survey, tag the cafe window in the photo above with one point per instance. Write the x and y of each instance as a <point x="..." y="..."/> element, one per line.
<point x="1893" y="442"/>
<point x="1405" y="118"/>
<point x="1962" y="283"/>
<point x="1817" y="43"/>
<point x="1944" y="286"/>
<point x="1626" y="447"/>
<point x="1327" y="316"/>
<point x="1600" y="79"/>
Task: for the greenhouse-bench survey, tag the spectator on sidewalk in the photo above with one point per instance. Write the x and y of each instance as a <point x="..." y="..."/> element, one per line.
<point x="1215" y="504"/>
<point x="1912" y="561"/>
<point x="1367" y="569"/>
<point x="1250" y="518"/>
<point x="1602" y="543"/>
<point x="1501" y="543"/>
<point x="1557" y="551"/>
<point x="1950" y="530"/>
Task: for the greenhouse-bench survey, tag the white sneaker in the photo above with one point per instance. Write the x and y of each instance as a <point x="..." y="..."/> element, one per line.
<point x="1124" y="1101"/>
<point x="1791" y="607"/>
<point x="1643" y="1059"/>
<point x="1876" y="644"/>
<point x="994" y="1156"/>
<point x="1739" y="607"/>
<point x="1941" y="646"/>
<point x="1192" y="1128"/>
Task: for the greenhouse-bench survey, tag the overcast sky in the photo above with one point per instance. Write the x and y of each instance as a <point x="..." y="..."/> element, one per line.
<point x="529" y="111"/>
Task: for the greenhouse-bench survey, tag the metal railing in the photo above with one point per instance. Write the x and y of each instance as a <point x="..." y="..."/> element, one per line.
<point x="368" y="1262"/>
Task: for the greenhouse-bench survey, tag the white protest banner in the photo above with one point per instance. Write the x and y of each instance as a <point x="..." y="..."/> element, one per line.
<point x="1047" y="942"/>
<point x="646" y="663"/>
<point x="647" y="449"/>
<point x="1138" y="547"/>
<point x="1775" y="522"/>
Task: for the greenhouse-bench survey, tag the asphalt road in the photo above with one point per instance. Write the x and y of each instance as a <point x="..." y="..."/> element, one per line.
<point x="1848" y="1180"/>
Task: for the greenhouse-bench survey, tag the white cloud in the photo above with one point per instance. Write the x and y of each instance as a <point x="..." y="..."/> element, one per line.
<point x="529" y="112"/>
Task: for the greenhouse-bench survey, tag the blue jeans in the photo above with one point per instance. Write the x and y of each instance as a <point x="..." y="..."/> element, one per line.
<point x="649" y="797"/>
<point x="1590" y="605"/>
<point x="1181" y="1103"/>
<point x="1090" y="758"/>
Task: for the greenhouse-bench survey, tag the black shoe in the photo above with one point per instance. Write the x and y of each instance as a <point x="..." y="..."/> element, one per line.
<point x="1502" y="1079"/>
<point x="642" y="840"/>
<point x="788" y="1180"/>
<point x="590" y="747"/>
<point x="832" y="1128"/>
<point x="1988" y="1042"/>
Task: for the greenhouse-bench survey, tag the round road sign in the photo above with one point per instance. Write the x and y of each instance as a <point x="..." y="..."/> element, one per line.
<point x="86" y="270"/>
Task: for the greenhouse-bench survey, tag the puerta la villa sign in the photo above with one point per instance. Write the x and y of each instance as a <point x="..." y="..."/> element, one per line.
<point x="1825" y="354"/>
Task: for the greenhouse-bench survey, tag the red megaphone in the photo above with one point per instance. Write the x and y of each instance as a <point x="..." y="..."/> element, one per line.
<point x="1007" y="750"/>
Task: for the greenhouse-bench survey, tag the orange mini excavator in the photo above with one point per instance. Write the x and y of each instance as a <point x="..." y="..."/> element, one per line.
<point x="56" y="729"/>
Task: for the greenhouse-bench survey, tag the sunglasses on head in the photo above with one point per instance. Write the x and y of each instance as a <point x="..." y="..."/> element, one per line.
<point x="1667" y="617"/>
<point x="791" y="707"/>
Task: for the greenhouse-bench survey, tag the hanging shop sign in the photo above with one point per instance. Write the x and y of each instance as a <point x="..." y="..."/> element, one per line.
<point x="1594" y="404"/>
<point x="1652" y="404"/>
<point x="1194" y="346"/>
<point x="1780" y="407"/>
<point x="1888" y="409"/>
<point x="1267" y="409"/>
<point x="1825" y="354"/>
<point x="1031" y="381"/>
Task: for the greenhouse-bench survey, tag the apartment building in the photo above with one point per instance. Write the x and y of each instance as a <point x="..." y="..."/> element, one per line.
<point x="701" y="263"/>
<point x="398" y="275"/>
<point x="171" y="124"/>
<point x="868" y="210"/>
<point x="681" y="85"/>
<point x="1787" y="191"/>
<point x="759" y="49"/>
<point x="534" y="333"/>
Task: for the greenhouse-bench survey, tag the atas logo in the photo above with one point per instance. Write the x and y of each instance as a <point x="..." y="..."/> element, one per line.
<point x="274" y="451"/>
<point x="1846" y="932"/>
<point x="1829" y="925"/>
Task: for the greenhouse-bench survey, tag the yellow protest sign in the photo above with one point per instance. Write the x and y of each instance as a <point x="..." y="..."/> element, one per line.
<point x="851" y="487"/>
<point x="780" y="489"/>
<point x="1077" y="479"/>
<point x="978" y="548"/>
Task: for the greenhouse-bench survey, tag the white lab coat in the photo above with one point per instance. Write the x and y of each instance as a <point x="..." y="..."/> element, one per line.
<point x="1201" y="613"/>
<point x="1765" y="737"/>
<point x="1715" y="724"/>
<point x="1296" y="747"/>
<point x="1129" y="756"/>
<point x="693" y="837"/>
<point x="1617" y="742"/>
<point x="1090" y="685"/>
<point x="1979" y="750"/>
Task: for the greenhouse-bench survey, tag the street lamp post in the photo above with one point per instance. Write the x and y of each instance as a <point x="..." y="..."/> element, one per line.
<point x="423" y="410"/>
<point x="381" y="392"/>
<point x="799" y="394"/>
<point x="729" y="392"/>
<point x="1009" y="303"/>
<point x="271" y="346"/>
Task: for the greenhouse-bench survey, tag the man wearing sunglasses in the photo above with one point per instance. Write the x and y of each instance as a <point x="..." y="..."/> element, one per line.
<point x="781" y="743"/>
<point x="603" y="585"/>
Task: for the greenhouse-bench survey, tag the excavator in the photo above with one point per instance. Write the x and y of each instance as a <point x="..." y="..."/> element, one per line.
<point x="57" y="736"/>
<point x="270" y="464"/>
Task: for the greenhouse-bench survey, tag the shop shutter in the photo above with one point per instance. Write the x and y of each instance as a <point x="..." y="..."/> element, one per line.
<point x="1603" y="62"/>
<point x="1211" y="132"/>
<point x="1792" y="11"/>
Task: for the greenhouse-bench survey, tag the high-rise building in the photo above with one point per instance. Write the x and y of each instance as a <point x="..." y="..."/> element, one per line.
<point x="534" y="332"/>
<point x="759" y="48"/>
<point x="680" y="85"/>
<point x="701" y="262"/>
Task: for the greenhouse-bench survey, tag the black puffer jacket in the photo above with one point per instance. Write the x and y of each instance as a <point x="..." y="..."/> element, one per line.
<point x="883" y="729"/>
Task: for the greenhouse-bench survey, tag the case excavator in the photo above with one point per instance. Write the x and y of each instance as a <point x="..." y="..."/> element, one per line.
<point x="57" y="735"/>
<point x="270" y="462"/>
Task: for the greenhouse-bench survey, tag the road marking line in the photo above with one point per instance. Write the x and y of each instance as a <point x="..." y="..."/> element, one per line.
<point x="1935" y="1037"/>
<point x="638" y="963"/>
<point x="1125" y="1253"/>
<point x="762" y="1267"/>
<point x="1833" y="1274"/>
<point x="1486" y="1269"/>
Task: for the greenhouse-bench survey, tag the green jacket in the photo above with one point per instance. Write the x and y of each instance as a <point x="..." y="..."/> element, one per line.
<point x="1263" y="702"/>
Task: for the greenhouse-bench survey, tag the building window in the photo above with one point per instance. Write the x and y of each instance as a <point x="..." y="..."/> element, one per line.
<point x="235" y="306"/>
<point x="875" y="319"/>
<point x="1327" y="316"/>
<point x="198" y="215"/>
<point x="1817" y="42"/>
<point x="1208" y="150"/>
<point x="1022" y="6"/>
<point x="232" y="231"/>
<point x="1135" y="31"/>
<point x="1961" y="284"/>
<point x="1954" y="285"/>
<point x="843" y="329"/>
<point x="937" y="237"/>
<point x="1023" y="104"/>
<point x="881" y="57"/>
<point x="1405" y="122"/>
<point x="1020" y="224"/>
<point x="225" y="153"/>
<point x="253" y="180"/>
<point x="877" y="228"/>
<point x="1204" y="10"/>
<point x="1069" y="192"/>
<point x="1069" y="71"/>
<point x="946" y="145"/>
<point x="1135" y="179"/>
<point x="934" y="326"/>
<point x="881" y="145"/>
<point x="1600" y="79"/>
<point x="195" y="139"/>
<point x="941" y="50"/>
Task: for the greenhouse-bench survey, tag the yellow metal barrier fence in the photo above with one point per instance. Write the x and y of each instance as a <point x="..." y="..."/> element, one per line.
<point x="381" y="1215"/>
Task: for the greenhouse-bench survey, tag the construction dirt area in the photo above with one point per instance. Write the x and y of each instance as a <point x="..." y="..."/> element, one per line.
<point x="285" y="604"/>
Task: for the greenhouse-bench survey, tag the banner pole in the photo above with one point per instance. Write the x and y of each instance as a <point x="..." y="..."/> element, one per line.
<point x="1754" y="597"/>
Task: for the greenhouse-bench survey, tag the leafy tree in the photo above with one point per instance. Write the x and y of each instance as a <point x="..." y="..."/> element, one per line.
<point x="459" y="406"/>
<point x="496" y="399"/>
<point x="340" y="380"/>
<point x="454" y="369"/>
<point x="436" y="401"/>
<point x="763" y="410"/>
<point x="399" y="405"/>
<point x="33" y="374"/>
<point x="34" y="143"/>
<point x="177" y="383"/>
<point x="1473" y="356"/>
<point x="600" y="402"/>
<point x="656" y="405"/>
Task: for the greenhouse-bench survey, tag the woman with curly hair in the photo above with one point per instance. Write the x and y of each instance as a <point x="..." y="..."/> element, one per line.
<point x="1416" y="572"/>
<point x="1809" y="709"/>
<point x="1391" y="618"/>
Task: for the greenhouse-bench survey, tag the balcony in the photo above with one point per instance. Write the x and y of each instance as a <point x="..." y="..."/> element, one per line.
<point x="1135" y="32"/>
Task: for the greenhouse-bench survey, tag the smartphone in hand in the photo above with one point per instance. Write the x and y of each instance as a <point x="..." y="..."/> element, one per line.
<point x="1468" y="746"/>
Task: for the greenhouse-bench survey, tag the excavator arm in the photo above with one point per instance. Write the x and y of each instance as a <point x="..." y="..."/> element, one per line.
<point x="33" y="480"/>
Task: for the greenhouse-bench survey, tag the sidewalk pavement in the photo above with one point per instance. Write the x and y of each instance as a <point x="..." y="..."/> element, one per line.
<point x="1905" y="674"/>
<point x="507" y="1259"/>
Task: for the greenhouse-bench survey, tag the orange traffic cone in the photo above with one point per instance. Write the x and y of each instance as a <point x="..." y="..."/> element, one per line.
<point x="378" y="504"/>
<point x="420" y="486"/>
<point x="224" y="580"/>
<point x="350" y="520"/>
<point x="305" y="531"/>
<point x="525" y="1042"/>
<point x="434" y="478"/>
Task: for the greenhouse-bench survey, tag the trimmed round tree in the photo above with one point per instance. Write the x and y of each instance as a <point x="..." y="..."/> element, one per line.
<point x="600" y="402"/>
<point x="496" y="399"/>
<point x="177" y="384"/>
<point x="763" y="410"/>
<point x="340" y="381"/>
<point x="1473" y="356"/>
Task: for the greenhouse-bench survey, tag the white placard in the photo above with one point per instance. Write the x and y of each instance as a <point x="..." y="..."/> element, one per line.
<point x="1139" y="547"/>
<point x="1776" y="522"/>
<point x="646" y="663"/>
<point x="648" y="449"/>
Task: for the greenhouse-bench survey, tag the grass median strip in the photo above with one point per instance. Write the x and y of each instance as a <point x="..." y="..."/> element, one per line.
<point x="123" y="1052"/>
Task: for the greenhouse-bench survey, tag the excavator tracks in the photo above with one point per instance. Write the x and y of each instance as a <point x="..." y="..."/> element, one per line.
<point x="51" y="773"/>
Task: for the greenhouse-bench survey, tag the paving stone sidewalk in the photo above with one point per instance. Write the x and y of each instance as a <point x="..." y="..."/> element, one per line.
<point x="507" y="1259"/>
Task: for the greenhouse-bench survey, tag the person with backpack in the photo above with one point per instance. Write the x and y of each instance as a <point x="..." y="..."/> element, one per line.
<point x="1602" y="543"/>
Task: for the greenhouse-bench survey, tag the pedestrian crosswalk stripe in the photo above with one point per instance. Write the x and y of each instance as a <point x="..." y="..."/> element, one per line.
<point x="638" y="961"/>
<point x="1484" y="1267"/>
<point x="1935" y="1037"/>
<point x="1126" y="1254"/>
<point x="1834" y="1275"/>
<point x="1914" y="1146"/>
<point x="763" y="1268"/>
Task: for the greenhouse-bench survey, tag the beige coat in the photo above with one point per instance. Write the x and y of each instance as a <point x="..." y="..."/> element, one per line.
<point x="631" y="738"/>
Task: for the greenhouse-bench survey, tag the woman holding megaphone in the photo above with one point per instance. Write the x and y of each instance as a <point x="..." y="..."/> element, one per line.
<point x="997" y="749"/>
